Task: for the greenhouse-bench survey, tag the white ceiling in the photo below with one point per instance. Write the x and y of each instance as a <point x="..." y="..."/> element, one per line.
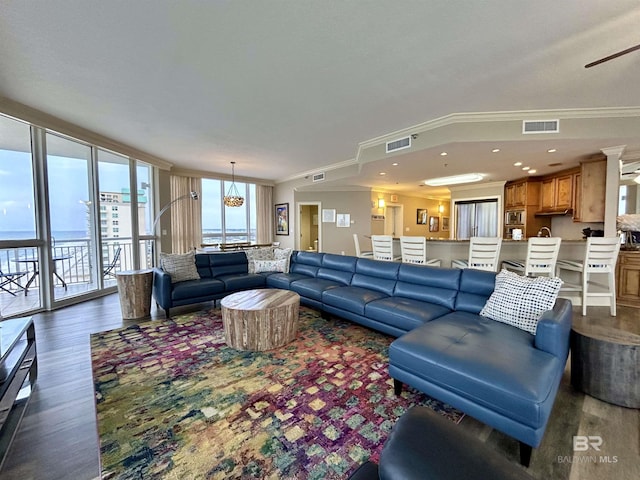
<point x="287" y="87"/>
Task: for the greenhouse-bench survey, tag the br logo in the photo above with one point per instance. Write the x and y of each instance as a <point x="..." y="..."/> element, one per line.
<point x="582" y="443"/>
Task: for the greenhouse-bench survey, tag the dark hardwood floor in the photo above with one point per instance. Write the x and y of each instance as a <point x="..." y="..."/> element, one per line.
<point x="57" y="438"/>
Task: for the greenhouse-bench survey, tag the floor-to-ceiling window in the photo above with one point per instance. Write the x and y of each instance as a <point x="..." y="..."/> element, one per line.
<point x="222" y="224"/>
<point x="18" y="235"/>
<point x="71" y="216"/>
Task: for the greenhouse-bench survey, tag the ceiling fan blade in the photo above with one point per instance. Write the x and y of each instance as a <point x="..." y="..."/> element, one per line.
<point x="611" y="57"/>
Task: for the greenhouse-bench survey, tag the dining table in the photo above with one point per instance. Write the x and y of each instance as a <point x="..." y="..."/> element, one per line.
<point x="35" y="262"/>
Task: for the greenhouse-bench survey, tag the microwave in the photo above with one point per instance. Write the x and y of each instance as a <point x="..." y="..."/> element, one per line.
<point x="514" y="217"/>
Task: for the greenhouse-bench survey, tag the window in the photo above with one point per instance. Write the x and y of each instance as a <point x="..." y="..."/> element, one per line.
<point x="222" y="224"/>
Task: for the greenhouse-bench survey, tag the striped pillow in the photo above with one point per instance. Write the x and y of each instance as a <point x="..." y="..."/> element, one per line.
<point x="180" y="266"/>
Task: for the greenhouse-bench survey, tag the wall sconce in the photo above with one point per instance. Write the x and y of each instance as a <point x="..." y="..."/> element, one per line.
<point x="440" y="208"/>
<point x="381" y="203"/>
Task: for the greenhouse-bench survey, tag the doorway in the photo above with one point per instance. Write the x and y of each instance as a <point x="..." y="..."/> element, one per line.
<point x="394" y="220"/>
<point x="309" y="227"/>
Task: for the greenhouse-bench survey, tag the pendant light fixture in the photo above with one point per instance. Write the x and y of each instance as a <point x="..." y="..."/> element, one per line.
<point x="233" y="198"/>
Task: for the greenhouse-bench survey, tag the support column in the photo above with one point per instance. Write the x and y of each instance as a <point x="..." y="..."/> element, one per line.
<point x="612" y="189"/>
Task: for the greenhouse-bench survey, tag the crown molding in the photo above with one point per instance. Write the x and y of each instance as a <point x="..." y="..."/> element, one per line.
<point x="328" y="168"/>
<point x="482" y="117"/>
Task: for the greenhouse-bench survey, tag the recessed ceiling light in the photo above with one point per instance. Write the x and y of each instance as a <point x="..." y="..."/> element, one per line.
<point x="526" y="168"/>
<point x="495" y="150"/>
<point x="382" y="173"/>
<point x="517" y="164"/>
<point x="395" y="164"/>
<point x="455" y="179"/>
<point x="533" y="170"/>
<point x="444" y="154"/>
<point x="551" y="150"/>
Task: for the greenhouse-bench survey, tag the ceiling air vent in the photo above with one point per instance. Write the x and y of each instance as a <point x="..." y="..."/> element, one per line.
<point x="399" y="144"/>
<point x="541" y="126"/>
<point x="318" y="177"/>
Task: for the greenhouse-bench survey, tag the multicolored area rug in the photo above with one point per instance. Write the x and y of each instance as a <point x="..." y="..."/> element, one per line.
<point x="174" y="401"/>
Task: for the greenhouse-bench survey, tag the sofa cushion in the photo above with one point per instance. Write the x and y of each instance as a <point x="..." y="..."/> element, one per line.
<point x="212" y="265"/>
<point x="404" y="313"/>
<point x="180" y="266"/>
<point x="520" y="301"/>
<point x="283" y="254"/>
<point x="313" y="287"/>
<point x="428" y="284"/>
<point x="351" y="299"/>
<point x="489" y="363"/>
<point x="196" y="289"/>
<point x="476" y="286"/>
<point x="243" y="281"/>
<point x="283" y="280"/>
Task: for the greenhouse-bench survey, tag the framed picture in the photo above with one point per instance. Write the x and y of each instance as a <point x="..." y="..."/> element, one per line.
<point x="434" y="224"/>
<point x="344" y="220"/>
<point x="282" y="219"/>
<point x="445" y="224"/>
<point x="328" y="215"/>
<point x="421" y="216"/>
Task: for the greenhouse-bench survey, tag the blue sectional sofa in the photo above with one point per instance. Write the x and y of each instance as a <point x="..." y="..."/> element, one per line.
<point x="495" y="372"/>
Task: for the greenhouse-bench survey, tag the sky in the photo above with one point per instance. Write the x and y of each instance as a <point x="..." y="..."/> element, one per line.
<point x="68" y="190"/>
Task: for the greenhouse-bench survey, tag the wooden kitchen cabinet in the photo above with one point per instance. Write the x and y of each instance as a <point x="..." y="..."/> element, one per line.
<point x="628" y="278"/>
<point x="563" y="192"/>
<point x="593" y="180"/>
<point x="547" y="194"/>
<point x="515" y="195"/>
<point x="557" y="192"/>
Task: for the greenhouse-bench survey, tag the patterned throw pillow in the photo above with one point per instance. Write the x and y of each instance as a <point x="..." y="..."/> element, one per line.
<point x="270" y="265"/>
<point x="520" y="301"/>
<point x="180" y="266"/>
<point x="253" y="254"/>
<point x="283" y="254"/>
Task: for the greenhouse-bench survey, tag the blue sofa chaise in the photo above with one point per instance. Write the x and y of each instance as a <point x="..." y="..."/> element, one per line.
<point x="501" y="375"/>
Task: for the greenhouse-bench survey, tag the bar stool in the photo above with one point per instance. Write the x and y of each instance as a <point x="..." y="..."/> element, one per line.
<point x="359" y="253"/>
<point x="601" y="255"/>
<point x="483" y="254"/>
<point x="542" y="255"/>
<point x="414" y="250"/>
<point x="383" y="248"/>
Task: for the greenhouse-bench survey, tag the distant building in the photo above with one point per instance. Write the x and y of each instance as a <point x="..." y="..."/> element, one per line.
<point x="116" y="216"/>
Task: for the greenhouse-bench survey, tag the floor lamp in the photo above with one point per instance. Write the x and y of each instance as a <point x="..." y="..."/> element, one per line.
<point x="192" y="195"/>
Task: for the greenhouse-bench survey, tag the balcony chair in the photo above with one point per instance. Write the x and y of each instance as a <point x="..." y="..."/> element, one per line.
<point x="483" y="254"/>
<point x="383" y="248"/>
<point x="360" y="253"/>
<point x="11" y="279"/>
<point x="115" y="262"/>
<point x="542" y="255"/>
<point x="414" y="250"/>
<point x="601" y="255"/>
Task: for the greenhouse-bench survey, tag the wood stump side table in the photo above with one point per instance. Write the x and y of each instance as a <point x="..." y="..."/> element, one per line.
<point x="605" y="360"/>
<point x="134" y="288"/>
<point x="260" y="320"/>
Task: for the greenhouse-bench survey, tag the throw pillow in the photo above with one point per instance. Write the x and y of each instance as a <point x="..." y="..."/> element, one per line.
<point x="180" y="266"/>
<point x="270" y="265"/>
<point x="283" y="254"/>
<point x="520" y="301"/>
<point x="253" y="254"/>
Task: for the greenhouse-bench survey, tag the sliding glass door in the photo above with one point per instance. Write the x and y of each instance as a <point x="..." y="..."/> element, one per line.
<point x="74" y="263"/>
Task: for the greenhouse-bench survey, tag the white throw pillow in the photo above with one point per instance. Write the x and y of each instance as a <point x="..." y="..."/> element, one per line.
<point x="180" y="266"/>
<point x="253" y="254"/>
<point x="283" y="254"/>
<point x="520" y="301"/>
<point x="270" y="265"/>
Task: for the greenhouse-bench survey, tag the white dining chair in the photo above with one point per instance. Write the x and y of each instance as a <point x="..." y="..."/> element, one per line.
<point x="483" y="254"/>
<point x="383" y="248"/>
<point x="601" y="255"/>
<point x="542" y="256"/>
<point x="414" y="250"/>
<point x="360" y="253"/>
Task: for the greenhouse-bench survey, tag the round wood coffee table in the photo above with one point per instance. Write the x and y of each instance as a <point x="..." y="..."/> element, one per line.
<point x="260" y="319"/>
